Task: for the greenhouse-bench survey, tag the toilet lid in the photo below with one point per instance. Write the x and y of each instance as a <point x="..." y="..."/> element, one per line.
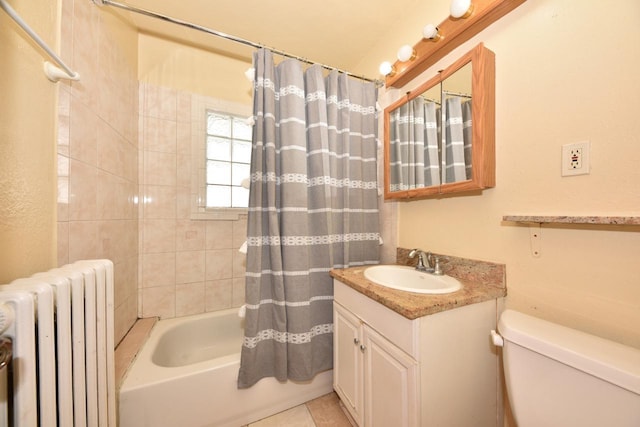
<point x="605" y="359"/>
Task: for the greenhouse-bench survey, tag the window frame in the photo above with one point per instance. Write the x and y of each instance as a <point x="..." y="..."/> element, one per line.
<point x="235" y="143"/>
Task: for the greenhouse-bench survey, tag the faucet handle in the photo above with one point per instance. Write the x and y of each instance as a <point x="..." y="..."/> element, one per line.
<point x="436" y="268"/>
<point x="430" y="259"/>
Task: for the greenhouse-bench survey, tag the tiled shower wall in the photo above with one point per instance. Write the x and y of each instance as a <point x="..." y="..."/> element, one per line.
<point x="97" y="149"/>
<point x="186" y="266"/>
<point x="124" y="170"/>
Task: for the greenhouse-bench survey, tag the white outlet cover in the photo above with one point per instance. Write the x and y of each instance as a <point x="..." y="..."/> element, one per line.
<point x="582" y="165"/>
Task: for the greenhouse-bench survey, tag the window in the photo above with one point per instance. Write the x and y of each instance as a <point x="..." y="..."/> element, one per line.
<point x="228" y="157"/>
<point x="220" y="157"/>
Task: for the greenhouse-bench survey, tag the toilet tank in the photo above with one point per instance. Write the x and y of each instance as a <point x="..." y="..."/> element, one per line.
<point x="557" y="376"/>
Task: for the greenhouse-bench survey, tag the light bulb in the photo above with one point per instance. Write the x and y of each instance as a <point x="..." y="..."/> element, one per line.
<point x="406" y="53"/>
<point x="430" y="32"/>
<point x="461" y="8"/>
<point x="386" y="69"/>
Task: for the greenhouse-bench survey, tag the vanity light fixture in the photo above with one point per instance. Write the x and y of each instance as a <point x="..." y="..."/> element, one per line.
<point x="406" y="53"/>
<point x="387" y="69"/>
<point x="461" y="9"/>
<point x="431" y="32"/>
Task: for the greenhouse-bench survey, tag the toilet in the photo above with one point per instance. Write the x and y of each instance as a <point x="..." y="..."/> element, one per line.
<point x="557" y="376"/>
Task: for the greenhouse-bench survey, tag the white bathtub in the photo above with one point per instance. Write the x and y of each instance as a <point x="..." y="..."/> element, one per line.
<point x="186" y="373"/>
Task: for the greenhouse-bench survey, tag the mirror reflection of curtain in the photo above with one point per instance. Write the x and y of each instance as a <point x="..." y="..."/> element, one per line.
<point x="414" y="145"/>
<point x="431" y="149"/>
<point x="454" y="163"/>
<point x="313" y="206"/>
<point x="467" y="130"/>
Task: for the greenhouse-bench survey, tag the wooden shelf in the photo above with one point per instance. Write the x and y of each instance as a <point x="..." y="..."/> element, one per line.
<point x="557" y="219"/>
<point x="454" y="32"/>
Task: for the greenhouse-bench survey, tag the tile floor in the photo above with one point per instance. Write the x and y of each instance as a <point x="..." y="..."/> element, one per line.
<point x="324" y="411"/>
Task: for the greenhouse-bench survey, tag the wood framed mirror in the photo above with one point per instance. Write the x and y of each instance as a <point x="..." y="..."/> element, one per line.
<point x="440" y="138"/>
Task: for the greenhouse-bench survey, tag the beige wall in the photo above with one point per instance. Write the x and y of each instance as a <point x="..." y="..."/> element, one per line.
<point x="558" y="81"/>
<point x="97" y="149"/>
<point x="170" y="64"/>
<point x="27" y="144"/>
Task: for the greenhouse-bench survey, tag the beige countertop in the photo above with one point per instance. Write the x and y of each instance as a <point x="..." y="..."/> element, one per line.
<point x="481" y="281"/>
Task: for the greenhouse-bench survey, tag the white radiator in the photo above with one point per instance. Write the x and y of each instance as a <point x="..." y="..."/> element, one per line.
<point x="60" y="324"/>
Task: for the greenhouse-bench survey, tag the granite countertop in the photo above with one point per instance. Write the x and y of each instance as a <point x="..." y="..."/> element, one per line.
<point x="565" y="219"/>
<point x="481" y="281"/>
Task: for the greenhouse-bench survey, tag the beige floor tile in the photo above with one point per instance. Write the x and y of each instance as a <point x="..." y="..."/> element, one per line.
<point x="295" y="417"/>
<point x="326" y="411"/>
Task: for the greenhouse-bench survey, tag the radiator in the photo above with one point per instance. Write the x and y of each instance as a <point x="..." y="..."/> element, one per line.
<point x="60" y="370"/>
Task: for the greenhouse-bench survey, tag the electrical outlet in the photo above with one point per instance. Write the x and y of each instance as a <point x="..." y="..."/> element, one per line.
<point x="575" y="159"/>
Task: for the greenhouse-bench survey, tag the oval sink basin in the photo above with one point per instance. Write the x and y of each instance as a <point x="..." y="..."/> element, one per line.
<point x="406" y="278"/>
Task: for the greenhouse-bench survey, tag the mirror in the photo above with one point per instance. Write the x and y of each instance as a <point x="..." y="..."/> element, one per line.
<point x="439" y="138"/>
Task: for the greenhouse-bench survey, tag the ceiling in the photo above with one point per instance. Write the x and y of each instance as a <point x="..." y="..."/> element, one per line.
<point x="337" y="33"/>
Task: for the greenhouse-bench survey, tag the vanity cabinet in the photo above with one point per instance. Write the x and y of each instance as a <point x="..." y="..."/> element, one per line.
<point x="378" y="381"/>
<point x="437" y="370"/>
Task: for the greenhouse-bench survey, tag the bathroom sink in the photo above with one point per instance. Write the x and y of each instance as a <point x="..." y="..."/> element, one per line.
<point x="406" y="278"/>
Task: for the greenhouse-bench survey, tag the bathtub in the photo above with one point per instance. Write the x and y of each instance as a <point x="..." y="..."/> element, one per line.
<point x="185" y="375"/>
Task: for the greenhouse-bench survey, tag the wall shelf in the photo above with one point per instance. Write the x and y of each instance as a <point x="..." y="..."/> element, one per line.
<point x="535" y="224"/>
<point x="557" y="219"/>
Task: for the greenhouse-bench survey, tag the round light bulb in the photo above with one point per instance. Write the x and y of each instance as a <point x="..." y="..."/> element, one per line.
<point x="406" y="53"/>
<point x="386" y="68"/>
<point x="461" y="8"/>
<point x="430" y="32"/>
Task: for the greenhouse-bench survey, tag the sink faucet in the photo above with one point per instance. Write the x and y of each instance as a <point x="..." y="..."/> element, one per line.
<point x="426" y="262"/>
<point x="424" y="259"/>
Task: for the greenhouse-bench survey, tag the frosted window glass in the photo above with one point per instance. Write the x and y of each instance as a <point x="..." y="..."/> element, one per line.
<point x="239" y="172"/>
<point x="218" y="196"/>
<point x="218" y="125"/>
<point x="239" y="197"/>
<point x="218" y="172"/>
<point x="242" y="130"/>
<point x="218" y="148"/>
<point x="228" y="151"/>
<point x="242" y="151"/>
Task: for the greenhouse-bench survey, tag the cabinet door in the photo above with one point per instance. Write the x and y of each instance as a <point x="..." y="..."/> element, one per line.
<point x="390" y="383"/>
<point x="347" y="360"/>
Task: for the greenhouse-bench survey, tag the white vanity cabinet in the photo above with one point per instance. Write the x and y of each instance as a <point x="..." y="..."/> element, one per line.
<point x="377" y="380"/>
<point x="437" y="370"/>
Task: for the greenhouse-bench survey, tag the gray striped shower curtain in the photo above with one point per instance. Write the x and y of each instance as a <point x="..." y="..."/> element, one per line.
<point x="312" y="207"/>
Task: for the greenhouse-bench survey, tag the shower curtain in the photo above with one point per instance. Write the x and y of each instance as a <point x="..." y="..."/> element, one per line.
<point x="414" y="137"/>
<point x="312" y="207"/>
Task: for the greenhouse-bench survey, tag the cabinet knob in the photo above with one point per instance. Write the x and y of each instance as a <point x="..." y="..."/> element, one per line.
<point x="356" y="341"/>
<point x="362" y="348"/>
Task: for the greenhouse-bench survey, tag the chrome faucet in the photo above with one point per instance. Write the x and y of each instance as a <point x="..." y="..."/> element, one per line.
<point x="426" y="262"/>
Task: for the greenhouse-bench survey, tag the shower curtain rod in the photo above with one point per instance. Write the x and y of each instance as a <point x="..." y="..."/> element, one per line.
<point x="52" y="72"/>
<point x="463" y="95"/>
<point x="225" y="36"/>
